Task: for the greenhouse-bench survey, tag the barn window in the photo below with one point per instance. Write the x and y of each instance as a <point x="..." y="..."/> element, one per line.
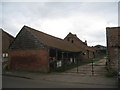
<point x="3" y="54"/>
<point x="6" y="54"/>
<point x="70" y="39"/>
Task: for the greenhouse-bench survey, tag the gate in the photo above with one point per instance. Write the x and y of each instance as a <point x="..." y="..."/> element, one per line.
<point x="92" y="67"/>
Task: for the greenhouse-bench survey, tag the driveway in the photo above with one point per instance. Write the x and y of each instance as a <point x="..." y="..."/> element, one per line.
<point x="86" y="70"/>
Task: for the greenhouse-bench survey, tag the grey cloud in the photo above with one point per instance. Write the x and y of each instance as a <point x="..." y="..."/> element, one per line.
<point x="0" y="14"/>
<point x="15" y="15"/>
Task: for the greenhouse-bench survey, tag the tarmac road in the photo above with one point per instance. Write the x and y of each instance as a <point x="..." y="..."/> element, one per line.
<point x="16" y="82"/>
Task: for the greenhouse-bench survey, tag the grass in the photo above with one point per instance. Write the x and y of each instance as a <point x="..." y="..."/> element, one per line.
<point x="112" y="74"/>
<point x="68" y="67"/>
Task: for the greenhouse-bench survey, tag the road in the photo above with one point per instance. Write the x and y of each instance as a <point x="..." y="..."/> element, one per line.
<point x="68" y="79"/>
<point x="15" y="82"/>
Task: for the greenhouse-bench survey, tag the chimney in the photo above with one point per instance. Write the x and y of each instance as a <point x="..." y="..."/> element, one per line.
<point x="86" y="42"/>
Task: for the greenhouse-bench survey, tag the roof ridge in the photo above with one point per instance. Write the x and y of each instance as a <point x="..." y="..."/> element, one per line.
<point x="43" y="33"/>
<point x="112" y="27"/>
<point x="52" y="41"/>
<point x="74" y="35"/>
<point x="7" y="33"/>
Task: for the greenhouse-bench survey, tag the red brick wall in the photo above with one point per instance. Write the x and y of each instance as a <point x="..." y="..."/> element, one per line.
<point x="87" y="52"/>
<point x="76" y="40"/>
<point x="112" y="46"/>
<point x="30" y="60"/>
<point x="112" y="36"/>
<point x="88" y="55"/>
<point x="83" y="57"/>
<point x="91" y="54"/>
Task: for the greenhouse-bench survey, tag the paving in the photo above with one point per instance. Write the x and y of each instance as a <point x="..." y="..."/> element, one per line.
<point x="84" y="76"/>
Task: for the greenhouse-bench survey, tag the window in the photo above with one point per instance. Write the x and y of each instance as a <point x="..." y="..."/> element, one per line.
<point x="3" y="54"/>
<point x="70" y="39"/>
<point x="6" y="54"/>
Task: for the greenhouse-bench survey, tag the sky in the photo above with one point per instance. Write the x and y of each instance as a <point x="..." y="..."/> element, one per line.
<point x="88" y="20"/>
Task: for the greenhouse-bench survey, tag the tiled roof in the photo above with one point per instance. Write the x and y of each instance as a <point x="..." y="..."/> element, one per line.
<point x="52" y="41"/>
<point x="81" y="45"/>
<point x="6" y="40"/>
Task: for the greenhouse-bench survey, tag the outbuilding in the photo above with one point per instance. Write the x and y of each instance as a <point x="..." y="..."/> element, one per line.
<point x="33" y="50"/>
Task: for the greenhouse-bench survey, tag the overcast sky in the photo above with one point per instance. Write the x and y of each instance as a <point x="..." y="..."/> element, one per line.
<point x="88" y="20"/>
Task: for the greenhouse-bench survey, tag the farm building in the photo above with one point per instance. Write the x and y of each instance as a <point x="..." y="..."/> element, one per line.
<point x="6" y="41"/>
<point x="100" y="50"/>
<point x="33" y="50"/>
<point x="113" y="48"/>
<point x="87" y="52"/>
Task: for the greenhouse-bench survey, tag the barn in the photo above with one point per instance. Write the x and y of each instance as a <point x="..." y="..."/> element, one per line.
<point x="87" y="51"/>
<point x="6" y="41"/>
<point x="33" y="50"/>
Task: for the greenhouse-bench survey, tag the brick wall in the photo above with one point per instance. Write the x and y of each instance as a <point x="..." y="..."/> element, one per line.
<point x="87" y="52"/>
<point x="29" y="60"/>
<point x="113" y="46"/>
<point x="76" y="40"/>
<point x="6" y="40"/>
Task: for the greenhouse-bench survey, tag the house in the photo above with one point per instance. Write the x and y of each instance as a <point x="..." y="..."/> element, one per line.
<point x="87" y="51"/>
<point x="113" y="48"/>
<point x="6" y="41"/>
<point x="100" y="50"/>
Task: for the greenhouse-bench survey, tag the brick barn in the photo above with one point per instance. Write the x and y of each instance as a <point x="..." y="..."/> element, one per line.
<point x="87" y="51"/>
<point x="6" y="41"/>
<point x="113" y="48"/>
<point x="33" y="50"/>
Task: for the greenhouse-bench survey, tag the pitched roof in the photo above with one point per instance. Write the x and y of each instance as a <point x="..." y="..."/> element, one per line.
<point x="82" y="45"/>
<point x="52" y="41"/>
<point x="6" y="40"/>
